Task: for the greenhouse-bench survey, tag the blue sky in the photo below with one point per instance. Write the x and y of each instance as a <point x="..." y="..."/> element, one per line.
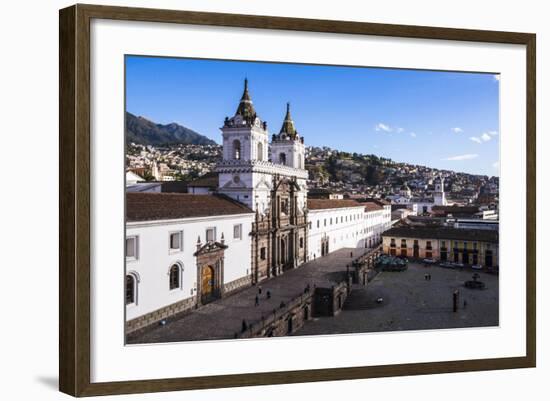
<point x="446" y="120"/>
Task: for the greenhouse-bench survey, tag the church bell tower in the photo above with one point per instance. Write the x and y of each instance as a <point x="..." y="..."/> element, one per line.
<point x="287" y="147"/>
<point x="245" y="146"/>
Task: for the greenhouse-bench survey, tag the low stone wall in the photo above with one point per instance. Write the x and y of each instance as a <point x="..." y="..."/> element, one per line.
<point x="282" y="321"/>
<point x="236" y="285"/>
<point x="160" y="314"/>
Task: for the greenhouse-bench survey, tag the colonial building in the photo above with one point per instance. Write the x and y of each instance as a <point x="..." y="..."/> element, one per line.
<point x="459" y="245"/>
<point x="185" y="250"/>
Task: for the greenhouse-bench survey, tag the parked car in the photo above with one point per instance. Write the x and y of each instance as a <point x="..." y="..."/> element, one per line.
<point x="477" y="267"/>
<point x="446" y="264"/>
<point x="458" y="264"/>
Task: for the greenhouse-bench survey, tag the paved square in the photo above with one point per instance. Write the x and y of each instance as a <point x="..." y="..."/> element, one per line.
<point x="412" y="303"/>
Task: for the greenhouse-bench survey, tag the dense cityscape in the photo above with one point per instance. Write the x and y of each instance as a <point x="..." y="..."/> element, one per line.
<point x="349" y="174"/>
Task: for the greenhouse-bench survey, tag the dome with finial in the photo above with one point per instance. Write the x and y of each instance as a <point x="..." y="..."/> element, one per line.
<point x="246" y="107"/>
<point x="245" y="114"/>
<point x="288" y="127"/>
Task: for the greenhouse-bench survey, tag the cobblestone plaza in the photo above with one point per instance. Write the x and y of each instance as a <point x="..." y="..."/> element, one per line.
<point x="410" y="302"/>
<point x="392" y="301"/>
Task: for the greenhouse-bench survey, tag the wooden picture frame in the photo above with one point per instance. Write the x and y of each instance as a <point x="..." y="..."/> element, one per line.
<point x="74" y="202"/>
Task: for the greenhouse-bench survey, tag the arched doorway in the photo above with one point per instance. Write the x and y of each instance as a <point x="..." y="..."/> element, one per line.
<point x="207" y="283"/>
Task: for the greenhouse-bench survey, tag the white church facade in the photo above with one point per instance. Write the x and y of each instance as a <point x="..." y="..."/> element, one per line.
<point x="421" y="205"/>
<point x="186" y="250"/>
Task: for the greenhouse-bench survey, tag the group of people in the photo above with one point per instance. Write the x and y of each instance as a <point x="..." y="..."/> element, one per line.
<point x="257" y="299"/>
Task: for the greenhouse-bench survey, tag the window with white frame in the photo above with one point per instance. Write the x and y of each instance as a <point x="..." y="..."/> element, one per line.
<point x="211" y="234"/>
<point x="132" y="248"/>
<point x="237" y="231"/>
<point x="176" y="241"/>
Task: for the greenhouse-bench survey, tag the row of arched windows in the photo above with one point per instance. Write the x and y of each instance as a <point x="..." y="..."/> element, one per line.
<point x="237" y="151"/>
<point x="132" y="283"/>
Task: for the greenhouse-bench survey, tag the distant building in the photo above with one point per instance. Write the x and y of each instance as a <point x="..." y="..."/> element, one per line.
<point x="422" y="205"/>
<point x="323" y="193"/>
<point x="155" y="187"/>
<point x="207" y="184"/>
<point x="467" y="246"/>
<point x="132" y="178"/>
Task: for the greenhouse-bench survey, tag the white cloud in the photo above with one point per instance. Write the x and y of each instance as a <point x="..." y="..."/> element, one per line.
<point x="399" y="129"/>
<point x="496" y="165"/>
<point x="485" y="137"/>
<point x="413" y="134"/>
<point x="475" y="139"/>
<point x="457" y="130"/>
<point x="382" y="127"/>
<point x="468" y="156"/>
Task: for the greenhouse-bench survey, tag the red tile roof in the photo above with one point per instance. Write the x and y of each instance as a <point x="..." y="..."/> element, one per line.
<point x="209" y="180"/>
<point x="161" y="206"/>
<point x="372" y="206"/>
<point x="314" y="204"/>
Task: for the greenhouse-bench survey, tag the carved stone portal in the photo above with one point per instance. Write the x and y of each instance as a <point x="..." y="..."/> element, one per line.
<point x="210" y="260"/>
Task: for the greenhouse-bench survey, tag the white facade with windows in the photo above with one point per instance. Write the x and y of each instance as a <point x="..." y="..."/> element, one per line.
<point x="345" y="224"/>
<point x="154" y="247"/>
<point x="339" y="227"/>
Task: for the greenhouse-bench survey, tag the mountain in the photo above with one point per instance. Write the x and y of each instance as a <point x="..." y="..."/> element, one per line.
<point x="140" y="130"/>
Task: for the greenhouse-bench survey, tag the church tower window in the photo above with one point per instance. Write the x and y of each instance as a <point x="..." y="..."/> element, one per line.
<point x="260" y="155"/>
<point x="282" y="158"/>
<point x="237" y="149"/>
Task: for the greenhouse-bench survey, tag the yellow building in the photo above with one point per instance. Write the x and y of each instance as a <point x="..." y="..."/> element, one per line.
<point x="467" y="246"/>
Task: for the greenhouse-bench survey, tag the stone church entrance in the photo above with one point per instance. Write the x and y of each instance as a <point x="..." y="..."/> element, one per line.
<point x="210" y="257"/>
<point x="207" y="283"/>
